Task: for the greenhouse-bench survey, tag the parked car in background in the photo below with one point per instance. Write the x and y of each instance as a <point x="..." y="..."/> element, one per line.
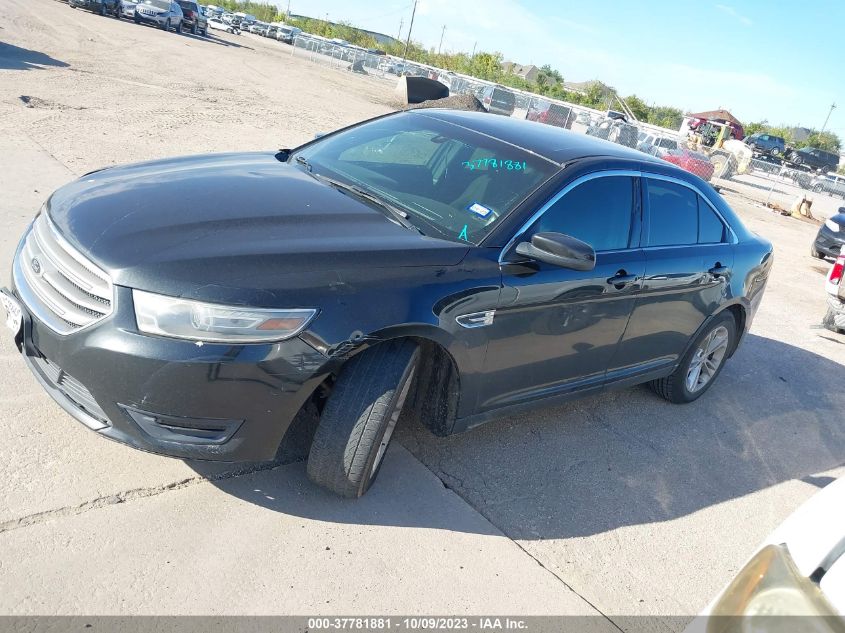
<point x="193" y="17"/>
<point x="693" y="162"/>
<point x="287" y="34"/>
<point x="583" y="122"/>
<point x="165" y="14"/>
<point x="796" y="575"/>
<point x="830" y="183"/>
<point x="497" y="100"/>
<point x="259" y="29"/>
<point x="661" y="144"/>
<point x="830" y="237"/>
<point x="770" y="144"/>
<point x="813" y="158"/>
<point x="220" y="25"/>
<point x="616" y="115"/>
<point x="520" y="281"/>
<point x="550" y="113"/>
<point x="102" y="7"/>
<point x="616" y="131"/>
<point x="127" y="8"/>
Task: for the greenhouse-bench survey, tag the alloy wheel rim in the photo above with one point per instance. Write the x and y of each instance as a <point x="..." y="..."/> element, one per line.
<point x="391" y="423"/>
<point x="707" y="359"/>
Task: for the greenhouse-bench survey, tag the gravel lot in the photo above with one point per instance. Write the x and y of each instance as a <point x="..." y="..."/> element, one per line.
<point x="620" y="505"/>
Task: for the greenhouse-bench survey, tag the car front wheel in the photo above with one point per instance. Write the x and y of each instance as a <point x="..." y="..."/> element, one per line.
<point x="701" y="364"/>
<point x="360" y="416"/>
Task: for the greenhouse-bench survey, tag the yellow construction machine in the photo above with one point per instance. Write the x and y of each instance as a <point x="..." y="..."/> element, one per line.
<point x="729" y="156"/>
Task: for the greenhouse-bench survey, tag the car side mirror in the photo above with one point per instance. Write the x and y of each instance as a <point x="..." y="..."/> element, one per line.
<point x="558" y="249"/>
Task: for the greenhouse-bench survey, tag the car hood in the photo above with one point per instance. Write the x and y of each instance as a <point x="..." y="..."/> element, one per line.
<point x="236" y="220"/>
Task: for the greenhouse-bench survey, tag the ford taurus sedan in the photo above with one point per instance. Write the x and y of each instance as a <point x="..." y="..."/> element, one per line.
<point x="460" y="266"/>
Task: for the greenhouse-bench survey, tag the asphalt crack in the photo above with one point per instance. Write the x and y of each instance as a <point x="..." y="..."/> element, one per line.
<point x="132" y="495"/>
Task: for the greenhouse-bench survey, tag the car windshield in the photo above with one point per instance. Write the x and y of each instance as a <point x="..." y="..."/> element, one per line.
<point x="451" y="182"/>
<point x="158" y="4"/>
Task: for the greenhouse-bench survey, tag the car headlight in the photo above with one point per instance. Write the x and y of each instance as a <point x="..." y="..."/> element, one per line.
<point x="833" y="226"/>
<point x="216" y="323"/>
<point x="771" y="585"/>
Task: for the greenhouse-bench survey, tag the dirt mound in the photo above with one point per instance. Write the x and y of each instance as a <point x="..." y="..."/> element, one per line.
<point x="453" y="102"/>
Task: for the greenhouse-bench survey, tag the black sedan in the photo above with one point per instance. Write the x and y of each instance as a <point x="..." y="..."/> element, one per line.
<point x="830" y="238"/>
<point x="103" y="7"/>
<point x="463" y="266"/>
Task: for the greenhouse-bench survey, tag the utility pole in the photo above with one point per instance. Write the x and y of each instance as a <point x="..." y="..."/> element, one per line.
<point x="410" y="30"/>
<point x="829" y="112"/>
<point x="287" y="13"/>
<point x="473" y="51"/>
<point x="442" y="33"/>
<point x="401" y="22"/>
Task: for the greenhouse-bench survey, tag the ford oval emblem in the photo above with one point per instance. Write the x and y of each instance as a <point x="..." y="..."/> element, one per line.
<point x="36" y="266"/>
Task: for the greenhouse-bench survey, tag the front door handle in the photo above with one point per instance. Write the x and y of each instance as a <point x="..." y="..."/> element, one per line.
<point x="719" y="271"/>
<point x="621" y="279"/>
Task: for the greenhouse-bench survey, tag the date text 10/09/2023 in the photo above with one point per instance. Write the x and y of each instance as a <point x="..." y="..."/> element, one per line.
<point x="495" y="163"/>
<point x="417" y="623"/>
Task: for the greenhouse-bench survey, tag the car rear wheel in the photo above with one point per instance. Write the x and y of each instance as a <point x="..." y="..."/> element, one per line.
<point x="797" y="159"/>
<point x="814" y="252"/>
<point x="103" y="9"/>
<point x="360" y="416"/>
<point x="194" y="28"/>
<point x="817" y="188"/>
<point x="701" y="364"/>
<point x="775" y="152"/>
<point x="179" y="27"/>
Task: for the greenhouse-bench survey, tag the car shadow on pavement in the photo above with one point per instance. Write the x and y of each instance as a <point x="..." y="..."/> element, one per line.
<point x="16" y="58"/>
<point x="619" y="459"/>
<point x="215" y="40"/>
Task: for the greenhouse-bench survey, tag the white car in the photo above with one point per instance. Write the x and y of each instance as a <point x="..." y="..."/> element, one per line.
<point x="220" y="25"/>
<point x="799" y="571"/>
<point x="127" y="8"/>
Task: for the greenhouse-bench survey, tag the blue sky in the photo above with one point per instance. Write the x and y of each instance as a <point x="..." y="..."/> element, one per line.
<point x="694" y="55"/>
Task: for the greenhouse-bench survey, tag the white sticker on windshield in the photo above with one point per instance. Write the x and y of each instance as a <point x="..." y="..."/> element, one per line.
<point x="479" y="209"/>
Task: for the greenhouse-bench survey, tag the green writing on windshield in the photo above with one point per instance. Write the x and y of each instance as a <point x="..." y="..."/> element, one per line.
<point x="495" y="163"/>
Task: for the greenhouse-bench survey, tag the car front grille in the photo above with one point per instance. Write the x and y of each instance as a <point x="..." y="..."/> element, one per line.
<point x="58" y="284"/>
<point x="73" y="390"/>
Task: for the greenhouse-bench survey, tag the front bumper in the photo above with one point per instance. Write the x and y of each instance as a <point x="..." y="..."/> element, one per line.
<point x="173" y="397"/>
<point x="828" y="243"/>
<point x="147" y="18"/>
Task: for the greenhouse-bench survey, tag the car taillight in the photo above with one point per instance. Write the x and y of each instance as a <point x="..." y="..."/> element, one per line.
<point x="837" y="271"/>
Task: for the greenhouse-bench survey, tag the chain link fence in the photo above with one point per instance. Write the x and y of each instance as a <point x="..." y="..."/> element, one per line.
<point x="766" y="178"/>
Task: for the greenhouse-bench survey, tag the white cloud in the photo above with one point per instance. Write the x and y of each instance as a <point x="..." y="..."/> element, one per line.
<point x="729" y="10"/>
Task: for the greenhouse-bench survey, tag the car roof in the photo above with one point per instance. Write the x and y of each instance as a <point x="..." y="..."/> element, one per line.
<point x="554" y="143"/>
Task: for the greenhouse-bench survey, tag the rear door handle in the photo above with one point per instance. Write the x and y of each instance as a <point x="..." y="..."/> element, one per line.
<point x="719" y="271"/>
<point x="622" y="279"/>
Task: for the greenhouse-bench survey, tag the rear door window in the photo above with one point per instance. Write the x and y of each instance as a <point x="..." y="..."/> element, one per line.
<point x="677" y="216"/>
<point x="673" y="214"/>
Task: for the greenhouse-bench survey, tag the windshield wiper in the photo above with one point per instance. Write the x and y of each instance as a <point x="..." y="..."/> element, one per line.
<point x="398" y="214"/>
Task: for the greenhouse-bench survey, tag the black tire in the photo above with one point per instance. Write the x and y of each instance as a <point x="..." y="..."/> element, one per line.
<point x="204" y="32"/>
<point x="102" y="9"/>
<point x="194" y="28"/>
<point x="829" y="323"/>
<point x="360" y="416"/>
<point x="797" y="160"/>
<point x="775" y="152"/>
<point x="166" y="25"/>
<point x="137" y="21"/>
<point x="179" y="27"/>
<point x="815" y="253"/>
<point x="674" y="386"/>
<point x="817" y="188"/>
